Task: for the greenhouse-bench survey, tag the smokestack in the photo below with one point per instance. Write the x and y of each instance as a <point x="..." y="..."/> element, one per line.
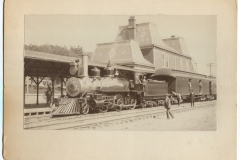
<point x="83" y="68"/>
<point x="132" y="29"/>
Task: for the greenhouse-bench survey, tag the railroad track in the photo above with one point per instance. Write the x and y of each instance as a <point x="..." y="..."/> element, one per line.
<point x="93" y="121"/>
<point x="34" y="120"/>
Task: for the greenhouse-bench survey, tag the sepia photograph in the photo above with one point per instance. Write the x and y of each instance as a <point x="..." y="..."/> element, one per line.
<point x="134" y="73"/>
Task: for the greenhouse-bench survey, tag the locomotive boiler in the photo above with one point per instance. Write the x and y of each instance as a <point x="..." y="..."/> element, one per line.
<point x="76" y="86"/>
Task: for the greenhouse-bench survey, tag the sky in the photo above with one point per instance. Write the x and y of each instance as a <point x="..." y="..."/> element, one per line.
<point x="199" y="32"/>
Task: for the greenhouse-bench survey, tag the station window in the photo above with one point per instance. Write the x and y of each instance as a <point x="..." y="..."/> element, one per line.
<point x="191" y="64"/>
<point x="167" y="61"/>
<point x="175" y="63"/>
<point x="163" y="60"/>
<point x="181" y="63"/>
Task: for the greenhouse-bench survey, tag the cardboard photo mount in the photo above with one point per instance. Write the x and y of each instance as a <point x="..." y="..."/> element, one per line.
<point x="52" y="144"/>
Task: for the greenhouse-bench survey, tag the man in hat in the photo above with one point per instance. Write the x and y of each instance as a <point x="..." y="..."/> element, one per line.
<point x="189" y="85"/>
<point x="49" y="96"/>
<point x="200" y="87"/>
<point x="192" y="96"/>
<point x="144" y="80"/>
<point x="168" y="107"/>
<point x="179" y="97"/>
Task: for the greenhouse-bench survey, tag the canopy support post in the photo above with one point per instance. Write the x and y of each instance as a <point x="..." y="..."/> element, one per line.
<point x="61" y="86"/>
<point x="37" y="89"/>
<point x="24" y="89"/>
<point x="52" y="79"/>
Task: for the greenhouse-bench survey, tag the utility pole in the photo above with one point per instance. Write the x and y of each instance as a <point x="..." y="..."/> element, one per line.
<point x="210" y="65"/>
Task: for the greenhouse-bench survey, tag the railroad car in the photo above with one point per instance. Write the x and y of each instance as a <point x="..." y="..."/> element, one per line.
<point x="178" y="81"/>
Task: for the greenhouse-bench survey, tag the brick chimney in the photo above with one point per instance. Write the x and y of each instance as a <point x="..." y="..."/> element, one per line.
<point x="132" y="29"/>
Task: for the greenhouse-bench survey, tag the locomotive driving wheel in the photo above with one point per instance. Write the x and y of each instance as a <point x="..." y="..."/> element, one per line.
<point x="119" y="105"/>
<point x="118" y="102"/>
<point x="143" y="104"/>
<point x="133" y="103"/>
<point x="160" y="103"/>
<point x="149" y="104"/>
<point x="85" y="108"/>
<point x="103" y="109"/>
<point x="107" y="104"/>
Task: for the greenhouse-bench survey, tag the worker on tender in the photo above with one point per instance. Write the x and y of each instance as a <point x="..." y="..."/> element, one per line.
<point x="116" y="73"/>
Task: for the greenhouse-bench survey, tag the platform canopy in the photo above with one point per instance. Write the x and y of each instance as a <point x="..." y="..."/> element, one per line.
<point x="48" y="65"/>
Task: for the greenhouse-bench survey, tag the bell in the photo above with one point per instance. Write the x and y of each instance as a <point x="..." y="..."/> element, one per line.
<point x="95" y="72"/>
<point x="109" y="71"/>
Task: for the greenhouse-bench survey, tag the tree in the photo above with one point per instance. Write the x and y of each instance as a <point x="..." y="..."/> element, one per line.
<point x="55" y="49"/>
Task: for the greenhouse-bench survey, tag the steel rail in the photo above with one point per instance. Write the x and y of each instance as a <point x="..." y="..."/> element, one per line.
<point x="135" y="117"/>
<point x="98" y="117"/>
<point x="35" y="120"/>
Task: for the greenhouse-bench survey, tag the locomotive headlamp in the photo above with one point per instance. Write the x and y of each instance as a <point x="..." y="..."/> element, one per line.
<point x="73" y="68"/>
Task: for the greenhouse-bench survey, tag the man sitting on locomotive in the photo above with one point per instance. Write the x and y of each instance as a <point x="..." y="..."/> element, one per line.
<point x="144" y="80"/>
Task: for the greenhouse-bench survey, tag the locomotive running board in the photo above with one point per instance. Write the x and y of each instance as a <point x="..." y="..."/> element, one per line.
<point x="67" y="107"/>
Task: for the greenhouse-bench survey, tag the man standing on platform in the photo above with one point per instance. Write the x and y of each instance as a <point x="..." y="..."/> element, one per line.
<point x="192" y="98"/>
<point x="200" y="87"/>
<point x="189" y="85"/>
<point x="178" y="95"/>
<point x="48" y="94"/>
<point x="168" y="107"/>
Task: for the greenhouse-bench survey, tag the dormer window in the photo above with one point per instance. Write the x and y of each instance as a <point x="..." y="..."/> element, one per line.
<point x="181" y="63"/>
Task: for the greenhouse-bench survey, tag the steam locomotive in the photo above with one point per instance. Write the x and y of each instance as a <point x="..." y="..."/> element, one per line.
<point x="101" y="93"/>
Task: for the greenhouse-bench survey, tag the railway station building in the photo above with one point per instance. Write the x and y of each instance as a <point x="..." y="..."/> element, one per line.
<point x="141" y="46"/>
